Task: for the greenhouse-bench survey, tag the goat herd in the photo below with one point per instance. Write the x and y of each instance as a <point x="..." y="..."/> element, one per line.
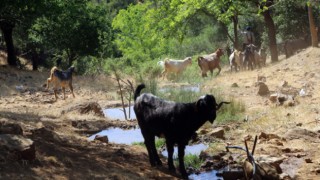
<point x="250" y="58"/>
<point x="178" y="122"/>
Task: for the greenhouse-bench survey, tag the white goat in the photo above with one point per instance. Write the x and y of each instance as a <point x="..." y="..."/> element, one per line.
<point x="174" y="66"/>
<point x="236" y="60"/>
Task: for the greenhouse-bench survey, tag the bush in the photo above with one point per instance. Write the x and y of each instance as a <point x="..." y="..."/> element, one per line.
<point x="191" y="160"/>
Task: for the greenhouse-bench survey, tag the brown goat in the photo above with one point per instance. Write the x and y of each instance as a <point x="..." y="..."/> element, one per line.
<point x="210" y="62"/>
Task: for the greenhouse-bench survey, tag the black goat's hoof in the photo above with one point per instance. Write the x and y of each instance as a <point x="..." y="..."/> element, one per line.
<point x="159" y="163"/>
<point x="172" y="169"/>
<point x="184" y="176"/>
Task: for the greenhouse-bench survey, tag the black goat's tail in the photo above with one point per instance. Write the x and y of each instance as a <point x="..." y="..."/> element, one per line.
<point x="138" y="90"/>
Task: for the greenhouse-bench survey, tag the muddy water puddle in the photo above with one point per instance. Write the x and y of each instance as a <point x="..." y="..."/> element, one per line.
<point x="192" y="149"/>
<point x="128" y="137"/>
<point x="206" y="175"/>
<point x="117" y="113"/>
<point x="121" y="136"/>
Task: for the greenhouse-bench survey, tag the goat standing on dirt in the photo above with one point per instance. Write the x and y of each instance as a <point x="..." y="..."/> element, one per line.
<point x="177" y="122"/>
<point x="61" y="79"/>
<point x="236" y="60"/>
<point x="251" y="57"/>
<point x="210" y="62"/>
<point x="174" y="66"/>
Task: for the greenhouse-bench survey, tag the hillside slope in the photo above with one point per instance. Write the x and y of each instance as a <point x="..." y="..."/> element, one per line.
<point x="24" y="100"/>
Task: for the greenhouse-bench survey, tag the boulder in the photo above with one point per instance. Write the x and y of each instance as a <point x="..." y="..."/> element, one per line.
<point x="10" y="128"/>
<point x="21" y="146"/>
<point x="217" y="133"/>
<point x="86" y="108"/>
<point x="273" y="161"/>
<point x="104" y="139"/>
<point x="263" y="89"/>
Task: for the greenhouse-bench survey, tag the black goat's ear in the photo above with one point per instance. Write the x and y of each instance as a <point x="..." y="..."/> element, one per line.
<point x="199" y="104"/>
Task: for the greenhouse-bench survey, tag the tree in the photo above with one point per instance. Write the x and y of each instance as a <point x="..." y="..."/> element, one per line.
<point x="265" y="7"/>
<point x="13" y="13"/>
<point x="76" y="28"/>
<point x="313" y="29"/>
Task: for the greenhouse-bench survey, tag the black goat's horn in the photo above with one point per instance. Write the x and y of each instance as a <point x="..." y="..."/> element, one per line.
<point x="220" y="104"/>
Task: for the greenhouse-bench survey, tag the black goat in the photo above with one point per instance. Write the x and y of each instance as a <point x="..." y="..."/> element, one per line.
<point x="177" y="122"/>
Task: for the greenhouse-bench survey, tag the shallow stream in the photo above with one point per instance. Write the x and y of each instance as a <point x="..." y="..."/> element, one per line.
<point x="121" y="136"/>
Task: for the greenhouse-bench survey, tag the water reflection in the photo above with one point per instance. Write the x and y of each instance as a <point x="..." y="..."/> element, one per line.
<point x="210" y="175"/>
<point x="121" y="136"/>
<point x="117" y="113"/>
<point x="193" y="149"/>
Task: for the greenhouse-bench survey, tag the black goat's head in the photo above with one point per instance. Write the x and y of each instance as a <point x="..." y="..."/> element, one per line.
<point x="208" y="106"/>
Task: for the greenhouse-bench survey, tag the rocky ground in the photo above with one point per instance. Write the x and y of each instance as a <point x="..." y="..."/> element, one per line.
<point x="282" y="109"/>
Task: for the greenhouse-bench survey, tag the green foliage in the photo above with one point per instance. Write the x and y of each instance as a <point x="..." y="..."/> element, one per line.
<point x="191" y="160"/>
<point x="290" y="14"/>
<point x="179" y="95"/>
<point x="79" y="28"/>
<point x="89" y="65"/>
<point x="139" y="144"/>
<point x="231" y="112"/>
<point x="126" y="65"/>
<point x="160" y="142"/>
<point x="134" y="38"/>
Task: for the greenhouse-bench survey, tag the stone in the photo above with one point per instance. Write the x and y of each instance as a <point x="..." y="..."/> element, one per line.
<point x="234" y="85"/>
<point x="273" y="97"/>
<point x="261" y="79"/>
<point x="217" y="133"/>
<point x="284" y="84"/>
<point x="104" y="139"/>
<point x="273" y="161"/>
<point x="285" y="176"/>
<point x="263" y="89"/>
<point x="10" y="128"/>
<point x="308" y="160"/>
<point x="289" y="103"/>
<point x="94" y="107"/>
<point x="86" y="108"/>
<point x="22" y="147"/>
<point x="264" y="135"/>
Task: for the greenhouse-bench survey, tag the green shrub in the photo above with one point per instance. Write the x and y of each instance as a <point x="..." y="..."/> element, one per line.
<point x="231" y="112"/>
<point x="160" y="142"/>
<point x="139" y="144"/>
<point x="190" y="160"/>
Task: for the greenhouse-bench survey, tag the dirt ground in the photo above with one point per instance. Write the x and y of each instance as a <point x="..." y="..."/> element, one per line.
<point x="287" y="132"/>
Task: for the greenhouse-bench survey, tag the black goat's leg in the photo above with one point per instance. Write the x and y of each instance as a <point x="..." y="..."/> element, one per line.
<point x="156" y="157"/>
<point x="150" y="142"/>
<point x="170" y="156"/>
<point x="182" y="168"/>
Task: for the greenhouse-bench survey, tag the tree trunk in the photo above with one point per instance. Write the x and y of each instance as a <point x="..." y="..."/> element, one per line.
<point x="271" y="35"/>
<point x="313" y="30"/>
<point x="235" y="31"/>
<point x="71" y="57"/>
<point x="7" y="33"/>
<point x="35" y="60"/>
